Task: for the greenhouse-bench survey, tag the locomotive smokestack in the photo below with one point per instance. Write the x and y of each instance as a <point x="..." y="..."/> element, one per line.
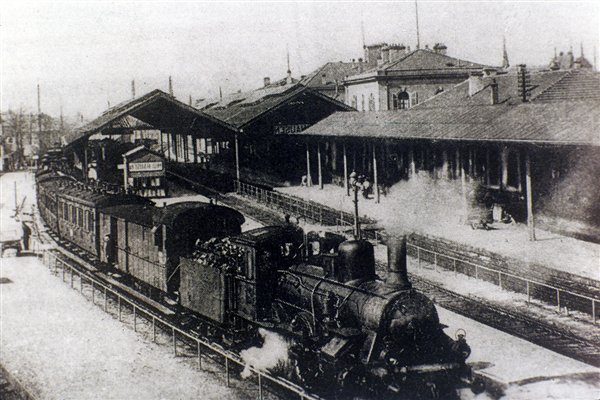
<point x="397" y="261"/>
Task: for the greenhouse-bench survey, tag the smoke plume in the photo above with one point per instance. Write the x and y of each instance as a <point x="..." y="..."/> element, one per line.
<point x="273" y="354"/>
<point x="423" y="202"/>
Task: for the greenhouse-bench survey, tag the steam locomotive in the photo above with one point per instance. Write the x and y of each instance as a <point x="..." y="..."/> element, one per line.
<point x="348" y="329"/>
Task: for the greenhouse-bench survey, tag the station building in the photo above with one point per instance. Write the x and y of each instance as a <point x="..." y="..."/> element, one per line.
<point x="262" y="151"/>
<point x="156" y="121"/>
<point x="396" y="77"/>
<point x="528" y="140"/>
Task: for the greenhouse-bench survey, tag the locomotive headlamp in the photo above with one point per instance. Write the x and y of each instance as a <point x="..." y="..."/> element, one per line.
<point x="460" y="334"/>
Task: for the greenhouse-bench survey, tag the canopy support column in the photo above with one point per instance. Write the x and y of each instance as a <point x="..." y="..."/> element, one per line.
<point x="237" y="162"/>
<point x="504" y="167"/>
<point x="375" y="177"/>
<point x="529" y="190"/>
<point x="320" y="171"/>
<point x="346" y="186"/>
<point x="308" y="177"/>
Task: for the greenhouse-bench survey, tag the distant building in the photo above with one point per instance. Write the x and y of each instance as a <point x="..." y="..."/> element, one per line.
<point x="566" y="61"/>
<point x="329" y="79"/>
<point x="398" y="78"/>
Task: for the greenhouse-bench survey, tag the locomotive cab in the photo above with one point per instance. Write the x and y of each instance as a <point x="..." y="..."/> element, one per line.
<point x="266" y="251"/>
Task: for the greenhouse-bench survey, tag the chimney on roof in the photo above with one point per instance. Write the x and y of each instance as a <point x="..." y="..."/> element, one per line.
<point x="133" y="89"/>
<point x="267" y="81"/>
<point x="440" y="48"/>
<point x="385" y="54"/>
<point x="523" y="82"/>
<point x="475" y="83"/>
<point x="170" y="86"/>
<point x="494" y="92"/>
<point x="372" y="53"/>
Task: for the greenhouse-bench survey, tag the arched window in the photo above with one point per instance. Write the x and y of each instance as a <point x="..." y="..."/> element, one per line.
<point x="362" y="105"/>
<point x="354" y="102"/>
<point x="403" y="100"/>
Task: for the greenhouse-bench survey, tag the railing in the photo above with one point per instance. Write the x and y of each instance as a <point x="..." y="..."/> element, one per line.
<point x="505" y="280"/>
<point x="307" y="209"/>
<point x="201" y="347"/>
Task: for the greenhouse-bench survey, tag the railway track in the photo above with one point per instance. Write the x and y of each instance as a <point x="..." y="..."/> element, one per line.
<point x="513" y="323"/>
<point x="185" y="341"/>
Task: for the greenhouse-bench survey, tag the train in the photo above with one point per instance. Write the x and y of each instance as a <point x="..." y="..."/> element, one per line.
<point x="349" y="331"/>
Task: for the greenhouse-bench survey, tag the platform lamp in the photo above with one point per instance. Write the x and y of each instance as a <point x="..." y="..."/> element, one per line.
<point x="356" y="183"/>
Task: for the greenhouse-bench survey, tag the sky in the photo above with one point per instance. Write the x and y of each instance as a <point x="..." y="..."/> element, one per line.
<point x="85" y="54"/>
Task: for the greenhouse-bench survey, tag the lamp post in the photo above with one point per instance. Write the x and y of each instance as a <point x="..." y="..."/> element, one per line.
<point x="356" y="183"/>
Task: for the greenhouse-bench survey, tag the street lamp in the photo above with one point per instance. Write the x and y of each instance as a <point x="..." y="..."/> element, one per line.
<point x="356" y="183"/>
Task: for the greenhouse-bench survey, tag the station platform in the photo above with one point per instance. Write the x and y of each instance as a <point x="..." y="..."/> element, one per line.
<point x="430" y="216"/>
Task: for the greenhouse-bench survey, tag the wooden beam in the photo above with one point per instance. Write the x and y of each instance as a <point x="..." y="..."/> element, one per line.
<point x="487" y="166"/>
<point x="529" y="190"/>
<point x="504" y="167"/>
<point x="375" y="177"/>
<point x="237" y="161"/>
<point x="308" y="177"/>
<point x="346" y="186"/>
<point x="320" y="171"/>
<point x="411" y="157"/>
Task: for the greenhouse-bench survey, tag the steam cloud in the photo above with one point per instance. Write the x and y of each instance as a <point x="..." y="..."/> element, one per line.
<point x="422" y="202"/>
<point x="272" y="355"/>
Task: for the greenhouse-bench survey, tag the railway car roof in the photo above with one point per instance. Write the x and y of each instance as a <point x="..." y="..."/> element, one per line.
<point x="170" y="213"/>
<point x="150" y="215"/>
<point x="140" y="214"/>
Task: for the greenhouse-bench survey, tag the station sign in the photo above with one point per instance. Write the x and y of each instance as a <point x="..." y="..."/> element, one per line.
<point x="146" y="166"/>
<point x="287" y="129"/>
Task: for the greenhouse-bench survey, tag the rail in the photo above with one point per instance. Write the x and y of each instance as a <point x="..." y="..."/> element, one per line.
<point x="202" y="347"/>
<point x="502" y="278"/>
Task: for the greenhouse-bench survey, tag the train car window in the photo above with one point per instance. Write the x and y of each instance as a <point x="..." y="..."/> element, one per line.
<point x="158" y="238"/>
<point x="65" y="211"/>
<point x="72" y="213"/>
<point x="90" y="221"/>
<point x="80" y="217"/>
<point x="249" y="265"/>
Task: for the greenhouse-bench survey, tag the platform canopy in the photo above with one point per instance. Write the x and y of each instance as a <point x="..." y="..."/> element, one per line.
<point x="155" y="110"/>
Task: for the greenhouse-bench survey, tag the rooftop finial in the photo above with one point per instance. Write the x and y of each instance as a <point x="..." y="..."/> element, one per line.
<point x="288" y="80"/>
<point x="287" y="51"/>
<point x="505" y="63"/>
<point x="362" y="31"/>
<point x="417" y="19"/>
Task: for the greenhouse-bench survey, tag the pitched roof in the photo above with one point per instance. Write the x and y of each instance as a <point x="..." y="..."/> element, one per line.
<point x="558" y="123"/>
<point x="156" y="109"/>
<point x="508" y="91"/>
<point x="564" y="109"/>
<point x="421" y="62"/>
<point x="241" y="109"/>
<point x="331" y="72"/>
<point x="424" y="59"/>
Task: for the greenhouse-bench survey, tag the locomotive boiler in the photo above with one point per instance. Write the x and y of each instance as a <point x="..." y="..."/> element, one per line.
<point x="350" y="331"/>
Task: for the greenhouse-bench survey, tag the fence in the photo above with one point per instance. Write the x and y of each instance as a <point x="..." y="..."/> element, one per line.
<point x="201" y="347"/>
<point x="505" y="280"/>
<point x="308" y="209"/>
